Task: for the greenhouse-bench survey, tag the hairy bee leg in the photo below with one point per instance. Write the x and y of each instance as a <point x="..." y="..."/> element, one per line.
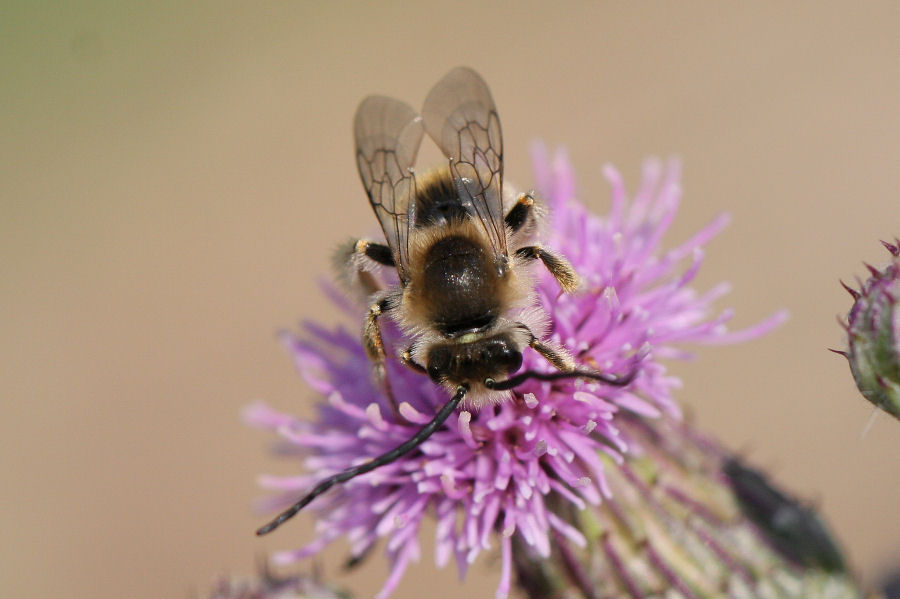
<point x="563" y="362"/>
<point x="377" y="252"/>
<point x="374" y="346"/>
<point x="558" y="266"/>
<point x="513" y="382"/>
<point x="372" y="341"/>
<point x="517" y="217"/>
<point x="379" y="375"/>
<point x="557" y="356"/>
<point x="364" y="250"/>
<point x="519" y="214"/>
<point x="407" y="360"/>
<point x="354" y="261"/>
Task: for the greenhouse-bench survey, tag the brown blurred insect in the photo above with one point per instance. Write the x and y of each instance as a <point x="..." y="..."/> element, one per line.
<point x="465" y="296"/>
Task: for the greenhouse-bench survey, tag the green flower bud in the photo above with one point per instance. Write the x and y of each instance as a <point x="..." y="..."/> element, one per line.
<point x="873" y="331"/>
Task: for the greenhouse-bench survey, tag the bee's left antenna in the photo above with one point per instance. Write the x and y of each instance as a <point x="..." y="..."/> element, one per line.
<point x="520" y="378"/>
<point x="416" y="440"/>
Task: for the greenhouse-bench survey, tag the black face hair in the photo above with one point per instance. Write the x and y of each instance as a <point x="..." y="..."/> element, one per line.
<point x="429" y="429"/>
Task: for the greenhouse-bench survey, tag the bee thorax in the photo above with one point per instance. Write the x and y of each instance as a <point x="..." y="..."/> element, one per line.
<point x="460" y="286"/>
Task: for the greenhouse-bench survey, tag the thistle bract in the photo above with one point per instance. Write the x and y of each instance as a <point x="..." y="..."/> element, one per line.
<point x="268" y="586"/>
<point x="873" y="331"/>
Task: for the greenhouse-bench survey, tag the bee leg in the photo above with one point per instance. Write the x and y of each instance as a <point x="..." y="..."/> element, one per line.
<point x="519" y="214"/>
<point x="557" y="356"/>
<point x="554" y="354"/>
<point x="558" y="266"/>
<point x="379" y="373"/>
<point x="374" y="346"/>
<point x="407" y="360"/>
<point x="561" y="359"/>
<point x="355" y="260"/>
<point x="377" y="252"/>
<point x="372" y="341"/>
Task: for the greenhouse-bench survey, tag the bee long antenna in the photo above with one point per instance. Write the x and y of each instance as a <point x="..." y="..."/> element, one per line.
<point x="555" y="376"/>
<point x="416" y="440"/>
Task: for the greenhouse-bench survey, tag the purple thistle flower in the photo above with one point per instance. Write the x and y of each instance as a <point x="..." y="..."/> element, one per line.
<point x="496" y="477"/>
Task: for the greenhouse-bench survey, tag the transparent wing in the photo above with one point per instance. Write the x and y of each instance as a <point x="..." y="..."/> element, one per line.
<point x="388" y="133"/>
<point x="460" y="116"/>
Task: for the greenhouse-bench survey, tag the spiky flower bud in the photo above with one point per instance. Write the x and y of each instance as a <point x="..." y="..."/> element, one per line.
<point x="873" y="331"/>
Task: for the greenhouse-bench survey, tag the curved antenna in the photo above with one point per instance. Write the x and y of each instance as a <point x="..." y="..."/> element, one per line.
<point x="555" y="376"/>
<point x="416" y="440"/>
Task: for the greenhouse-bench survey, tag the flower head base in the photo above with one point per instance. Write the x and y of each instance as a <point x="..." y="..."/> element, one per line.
<point x="267" y="586"/>
<point x="873" y="331"/>
<point x="687" y="520"/>
<point x="503" y="475"/>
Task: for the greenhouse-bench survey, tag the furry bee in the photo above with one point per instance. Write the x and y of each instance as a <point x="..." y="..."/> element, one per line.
<point x="465" y="296"/>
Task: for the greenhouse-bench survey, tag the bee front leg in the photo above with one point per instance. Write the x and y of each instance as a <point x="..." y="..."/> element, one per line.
<point x="556" y="355"/>
<point x="558" y="266"/>
<point x="407" y="360"/>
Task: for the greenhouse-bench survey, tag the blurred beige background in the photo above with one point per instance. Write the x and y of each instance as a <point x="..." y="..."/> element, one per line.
<point x="173" y="178"/>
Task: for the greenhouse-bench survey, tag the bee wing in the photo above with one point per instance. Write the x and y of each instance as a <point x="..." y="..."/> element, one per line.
<point x="388" y="133"/>
<point x="460" y="116"/>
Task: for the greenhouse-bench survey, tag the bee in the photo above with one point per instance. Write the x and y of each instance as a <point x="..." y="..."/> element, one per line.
<point x="465" y="296"/>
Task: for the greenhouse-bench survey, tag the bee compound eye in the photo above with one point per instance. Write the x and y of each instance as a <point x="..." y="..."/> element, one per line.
<point x="512" y="360"/>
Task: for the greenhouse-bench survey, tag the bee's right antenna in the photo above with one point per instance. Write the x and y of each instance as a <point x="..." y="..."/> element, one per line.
<point x="416" y="440"/>
<point x="555" y="376"/>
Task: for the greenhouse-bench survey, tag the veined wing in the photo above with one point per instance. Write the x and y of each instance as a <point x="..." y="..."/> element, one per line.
<point x="388" y="133"/>
<point x="460" y="116"/>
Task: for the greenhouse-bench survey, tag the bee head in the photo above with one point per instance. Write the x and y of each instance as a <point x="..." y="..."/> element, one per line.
<point x="473" y="359"/>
